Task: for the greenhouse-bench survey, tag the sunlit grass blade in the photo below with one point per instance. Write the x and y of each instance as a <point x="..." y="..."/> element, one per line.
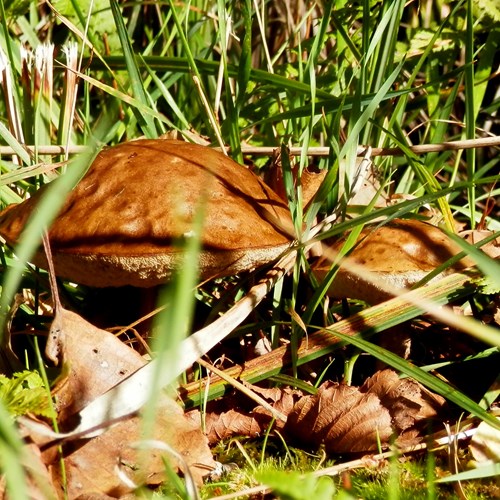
<point x="245" y="67"/>
<point x="489" y="266"/>
<point x="169" y="99"/>
<point x="20" y="174"/>
<point x="208" y="67"/>
<point x="43" y="72"/>
<point x="427" y="180"/>
<point x="481" y="472"/>
<point x="11" y="450"/>
<point x="67" y="112"/>
<point x="470" y="119"/>
<point x="14" y="144"/>
<point x="230" y="114"/>
<point x="125" y="98"/>
<point x="209" y="117"/>
<point x="135" y="76"/>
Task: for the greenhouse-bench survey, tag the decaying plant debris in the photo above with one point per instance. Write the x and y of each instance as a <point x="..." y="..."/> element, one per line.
<point x="321" y="127"/>
<point x="342" y="418"/>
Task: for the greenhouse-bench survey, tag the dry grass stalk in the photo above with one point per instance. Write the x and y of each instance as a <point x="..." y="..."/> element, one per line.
<point x="483" y="142"/>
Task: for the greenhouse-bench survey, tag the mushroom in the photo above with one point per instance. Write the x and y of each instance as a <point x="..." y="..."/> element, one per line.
<point x="399" y="254"/>
<point x="120" y="224"/>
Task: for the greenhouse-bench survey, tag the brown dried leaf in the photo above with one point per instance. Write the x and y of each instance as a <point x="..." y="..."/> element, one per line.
<point x="302" y="414"/>
<point x="340" y="417"/>
<point x="231" y="423"/>
<point x="229" y="417"/>
<point x="38" y="480"/>
<point x="92" y="467"/>
<point x="350" y="419"/>
<point x="409" y="402"/>
<point x="281" y="399"/>
<point x="361" y="428"/>
<point x="335" y="400"/>
<point x="95" y="359"/>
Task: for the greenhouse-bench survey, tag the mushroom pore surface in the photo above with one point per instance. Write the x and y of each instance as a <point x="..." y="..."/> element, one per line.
<point x="119" y="225"/>
<point x="398" y="254"/>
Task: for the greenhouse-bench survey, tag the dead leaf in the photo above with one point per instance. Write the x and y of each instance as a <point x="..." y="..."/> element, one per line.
<point x="91" y="467"/>
<point x="95" y="360"/>
<point x="410" y="402"/>
<point x="341" y="418"/>
<point x="485" y="444"/>
<point x="98" y="361"/>
<point x="38" y="481"/>
<point x="281" y="399"/>
<point x="224" y="425"/>
<point x="350" y="419"/>
<point x="231" y="416"/>
<point x="345" y="419"/>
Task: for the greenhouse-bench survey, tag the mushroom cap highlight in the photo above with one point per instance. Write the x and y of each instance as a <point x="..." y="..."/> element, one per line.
<point x="399" y="254"/>
<point x="120" y="224"/>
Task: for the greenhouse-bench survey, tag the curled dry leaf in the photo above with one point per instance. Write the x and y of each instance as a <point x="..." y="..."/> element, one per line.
<point x="350" y="419"/>
<point x="340" y="417"/>
<point x="233" y="417"/>
<point x="345" y="419"/>
<point x="231" y="423"/>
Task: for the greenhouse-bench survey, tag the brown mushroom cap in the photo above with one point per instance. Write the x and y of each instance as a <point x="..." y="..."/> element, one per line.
<point x="119" y="224"/>
<point x="399" y="254"/>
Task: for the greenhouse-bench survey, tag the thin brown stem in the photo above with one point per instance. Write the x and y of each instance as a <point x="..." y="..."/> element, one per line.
<point x="483" y="142"/>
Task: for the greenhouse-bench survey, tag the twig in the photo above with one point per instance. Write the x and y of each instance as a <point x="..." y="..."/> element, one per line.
<point x="47" y="150"/>
<point x="245" y="390"/>
<point x="483" y="142"/>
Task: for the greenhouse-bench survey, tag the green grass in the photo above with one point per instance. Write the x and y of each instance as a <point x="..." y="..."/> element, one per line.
<point x="296" y="474"/>
<point x="336" y="74"/>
